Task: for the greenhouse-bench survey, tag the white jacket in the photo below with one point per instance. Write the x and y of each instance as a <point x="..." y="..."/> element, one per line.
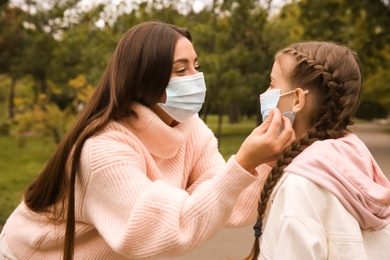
<point x="308" y="222"/>
<point x="333" y="202"/>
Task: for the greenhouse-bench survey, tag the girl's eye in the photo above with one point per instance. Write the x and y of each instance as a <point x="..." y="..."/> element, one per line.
<point x="197" y="68"/>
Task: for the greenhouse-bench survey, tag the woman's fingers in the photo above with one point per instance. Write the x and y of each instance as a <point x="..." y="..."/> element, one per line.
<point x="271" y="125"/>
<point x="266" y="143"/>
<point x="287" y="135"/>
<point x="274" y="125"/>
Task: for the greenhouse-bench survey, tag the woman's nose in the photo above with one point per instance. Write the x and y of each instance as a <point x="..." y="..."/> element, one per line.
<point x="192" y="71"/>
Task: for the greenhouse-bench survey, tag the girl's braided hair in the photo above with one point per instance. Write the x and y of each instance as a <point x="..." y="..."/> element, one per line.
<point x="333" y="74"/>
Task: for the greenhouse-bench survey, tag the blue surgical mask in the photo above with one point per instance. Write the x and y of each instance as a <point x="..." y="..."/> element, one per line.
<point x="185" y="96"/>
<point x="269" y="100"/>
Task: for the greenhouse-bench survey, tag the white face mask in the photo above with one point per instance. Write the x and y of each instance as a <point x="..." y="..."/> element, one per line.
<point x="185" y="96"/>
<point x="270" y="99"/>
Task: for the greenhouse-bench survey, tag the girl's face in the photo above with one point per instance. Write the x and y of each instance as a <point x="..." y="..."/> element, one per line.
<point x="280" y="80"/>
<point x="300" y="101"/>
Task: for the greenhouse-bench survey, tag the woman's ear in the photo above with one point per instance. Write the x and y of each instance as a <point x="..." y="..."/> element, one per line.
<point x="299" y="99"/>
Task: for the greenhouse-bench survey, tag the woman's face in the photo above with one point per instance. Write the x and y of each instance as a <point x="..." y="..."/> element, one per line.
<point x="185" y="63"/>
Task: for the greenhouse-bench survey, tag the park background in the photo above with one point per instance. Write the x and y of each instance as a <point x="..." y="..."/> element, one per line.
<point x="53" y="53"/>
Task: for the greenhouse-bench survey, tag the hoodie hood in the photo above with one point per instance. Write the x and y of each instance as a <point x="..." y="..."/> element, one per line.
<point x="346" y="168"/>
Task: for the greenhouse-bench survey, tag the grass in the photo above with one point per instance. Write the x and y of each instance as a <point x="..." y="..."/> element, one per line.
<point x="232" y="134"/>
<point x="19" y="165"/>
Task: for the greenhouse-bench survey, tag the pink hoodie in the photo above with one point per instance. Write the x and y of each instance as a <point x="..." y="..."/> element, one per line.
<point x="346" y="168"/>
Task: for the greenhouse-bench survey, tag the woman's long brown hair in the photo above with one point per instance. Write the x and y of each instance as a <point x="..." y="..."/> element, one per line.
<point x="139" y="70"/>
<point x="333" y="74"/>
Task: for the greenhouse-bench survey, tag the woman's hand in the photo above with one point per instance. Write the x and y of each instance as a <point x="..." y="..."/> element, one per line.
<point x="265" y="143"/>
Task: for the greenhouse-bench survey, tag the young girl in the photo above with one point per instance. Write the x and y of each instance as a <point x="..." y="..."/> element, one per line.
<point x="327" y="197"/>
<point x="139" y="174"/>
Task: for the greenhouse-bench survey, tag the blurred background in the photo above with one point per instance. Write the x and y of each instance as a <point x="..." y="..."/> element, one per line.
<point x="53" y="53"/>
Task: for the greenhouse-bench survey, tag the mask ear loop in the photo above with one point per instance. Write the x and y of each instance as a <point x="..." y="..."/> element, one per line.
<point x="289" y="92"/>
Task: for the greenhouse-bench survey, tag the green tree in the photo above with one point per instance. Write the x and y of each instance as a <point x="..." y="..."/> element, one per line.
<point x="82" y="49"/>
<point x="12" y="42"/>
<point x="245" y="55"/>
<point x="283" y="28"/>
<point x="361" y="25"/>
<point x="375" y="86"/>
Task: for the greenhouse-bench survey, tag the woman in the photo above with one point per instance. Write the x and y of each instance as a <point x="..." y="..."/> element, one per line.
<point x="327" y="197"/>
<point x="139" y="174"/>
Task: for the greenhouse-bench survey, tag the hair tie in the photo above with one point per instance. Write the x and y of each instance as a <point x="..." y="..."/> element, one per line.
<point x="257" y="228"/>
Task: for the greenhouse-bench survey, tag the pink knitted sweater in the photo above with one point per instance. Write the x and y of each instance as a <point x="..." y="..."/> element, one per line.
<point x="145" y="190"/>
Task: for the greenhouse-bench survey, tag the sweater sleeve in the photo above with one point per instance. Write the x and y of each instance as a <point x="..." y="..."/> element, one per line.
<point x="245" y="210"/>
<point x="208" y="162"/>
<point x="140" y="218"/>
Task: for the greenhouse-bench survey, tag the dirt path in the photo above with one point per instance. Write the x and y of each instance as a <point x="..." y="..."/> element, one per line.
<point x="377" y="141"/>
<point x="235" y="244"/>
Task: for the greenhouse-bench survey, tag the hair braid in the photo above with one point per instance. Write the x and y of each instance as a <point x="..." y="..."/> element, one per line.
<point x="333" y="73"/>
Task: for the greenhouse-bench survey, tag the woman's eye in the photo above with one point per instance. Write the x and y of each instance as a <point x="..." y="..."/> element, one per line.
<point x="181" y="70"/>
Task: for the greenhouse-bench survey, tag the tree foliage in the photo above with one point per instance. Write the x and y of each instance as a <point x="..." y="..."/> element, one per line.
<point x="60" y="50"/>
<point x="363" y="26"/>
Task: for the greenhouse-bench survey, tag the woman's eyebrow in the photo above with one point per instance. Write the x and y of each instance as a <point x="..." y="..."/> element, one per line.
<point x="181" y="60"/>
<point x="184" y="60"/>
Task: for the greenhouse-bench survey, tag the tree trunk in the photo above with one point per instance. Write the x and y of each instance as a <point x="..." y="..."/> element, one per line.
<point x="204" y="112"/>
<point x="259" y="118"/>
<point x="43" y="85"/>
<point x="43" y="92"/>
<point x="11" y="102"/>
<point x="219" y="127"/>
<point x="234" y="113"/>
<point x="56" y="135"/>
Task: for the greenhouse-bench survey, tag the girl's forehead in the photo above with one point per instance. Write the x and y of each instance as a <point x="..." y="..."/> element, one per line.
<point x="277" y="72"/>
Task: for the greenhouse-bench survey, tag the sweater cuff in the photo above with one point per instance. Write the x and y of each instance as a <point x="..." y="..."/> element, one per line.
<point x="233" y="163"/>
<point x="235" y="179"/>
<point x="263" y="169"/>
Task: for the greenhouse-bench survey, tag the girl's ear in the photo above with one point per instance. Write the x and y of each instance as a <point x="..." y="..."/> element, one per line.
<point x="299" y="99"/>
